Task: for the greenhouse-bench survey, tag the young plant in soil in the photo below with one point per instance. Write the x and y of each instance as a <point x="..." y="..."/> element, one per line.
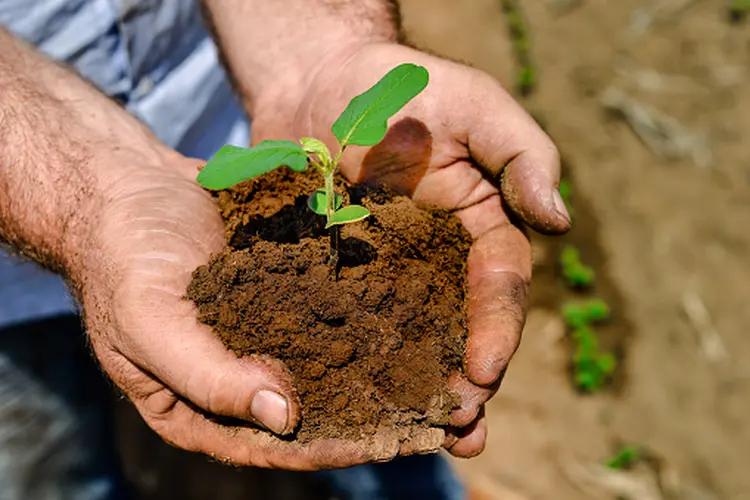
<point x="738" y="10"/>
<point x="370" y="346"/>
<point x="575" y="273"/>
<point x="591" y="367"/>
<point x="364" y="122"/>
<point x="625" y="458"/>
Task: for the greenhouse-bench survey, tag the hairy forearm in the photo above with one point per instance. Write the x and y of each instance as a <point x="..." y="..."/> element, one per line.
<point x="60" y="140"/>
<point x="271" y="47"/>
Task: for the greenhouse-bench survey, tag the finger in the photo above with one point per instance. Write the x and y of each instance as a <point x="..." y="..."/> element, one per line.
<point x="190" y="359"/>
<point x="530" y="186"/>
<point x="245" y="446"/>
<point x="498" y="275"/>
<point x="472" y="397"/>
<point x="503" y="139"/>
<point x="470" y="442"/>
<point x="422" y="441"/>
<point x="230" y="441"/>
<point x="450" y="438"/>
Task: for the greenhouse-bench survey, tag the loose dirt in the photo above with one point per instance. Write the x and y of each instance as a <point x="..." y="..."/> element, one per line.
<point x="370" y="349"/>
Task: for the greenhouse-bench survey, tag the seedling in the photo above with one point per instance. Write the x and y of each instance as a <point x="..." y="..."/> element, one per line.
<point x="582" y="313"/>
<point x="364" y="122"/>
<point x="575" y="272"/>
<point x="738" y="10"/>
<point x="591" y="367"/>
<point x="625" y="459"/>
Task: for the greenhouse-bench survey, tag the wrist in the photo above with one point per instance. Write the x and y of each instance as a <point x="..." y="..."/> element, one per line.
<point x="282" y="98"/>
<point x="271" y="48"/>
<point x="62" y="146"/>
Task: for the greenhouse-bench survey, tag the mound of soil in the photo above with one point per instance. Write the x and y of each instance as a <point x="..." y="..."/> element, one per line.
<point x="371" y="349"/>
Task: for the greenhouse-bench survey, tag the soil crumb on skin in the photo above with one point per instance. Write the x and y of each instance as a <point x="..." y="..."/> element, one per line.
<point x="370" y="350"/>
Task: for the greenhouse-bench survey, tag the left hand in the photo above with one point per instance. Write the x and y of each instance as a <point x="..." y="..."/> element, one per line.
<point x="464" y="145"/>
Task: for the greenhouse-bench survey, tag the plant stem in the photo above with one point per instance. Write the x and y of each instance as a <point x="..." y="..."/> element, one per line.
<point x="334" y="253"/>
<point x="333" y="231"/>
<point x="330" y="195"/>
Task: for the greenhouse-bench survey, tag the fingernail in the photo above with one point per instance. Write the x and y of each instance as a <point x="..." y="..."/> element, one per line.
<point x="560" y="205"/>
<point x="270" y="410"/>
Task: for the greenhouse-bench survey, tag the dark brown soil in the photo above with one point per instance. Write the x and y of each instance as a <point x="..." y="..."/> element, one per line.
<point x="373" y="348"/>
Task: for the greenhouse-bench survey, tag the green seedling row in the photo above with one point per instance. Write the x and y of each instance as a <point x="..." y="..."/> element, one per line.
<point x="591" y="367"/>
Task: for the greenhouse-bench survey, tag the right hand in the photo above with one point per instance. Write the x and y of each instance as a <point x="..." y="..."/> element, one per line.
<point x="466" y="146"/>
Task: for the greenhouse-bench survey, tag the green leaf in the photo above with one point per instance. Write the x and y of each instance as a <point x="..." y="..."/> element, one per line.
<point x="607" y="363"/>
<point x="586" y="380"/>
<point x="316" y="147"/>
<point x="597" y="310"/>
<point x="625" y="458"/>
<point x="232" y="165"/>
<point x="317" y="201"/>
<point x="570" y="256"/>
<point x="350" y="213"/>
<point x="575" y="272"/>
<point x="574" y="315"/>
<point x="364" y="122"/>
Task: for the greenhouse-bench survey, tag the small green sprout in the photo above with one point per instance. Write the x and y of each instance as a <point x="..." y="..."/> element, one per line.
<point x="581" y="313"/>
<point x="575" y="272"/>
<point x="364" y="122"/>
<point x="625" y="458"/>
<point x="738" y="10"/>
<point x="591" y="367"/>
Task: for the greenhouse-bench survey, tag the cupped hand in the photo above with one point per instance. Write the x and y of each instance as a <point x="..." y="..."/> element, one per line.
<point x="464" y="145"/>
<point x="155" y="228"/>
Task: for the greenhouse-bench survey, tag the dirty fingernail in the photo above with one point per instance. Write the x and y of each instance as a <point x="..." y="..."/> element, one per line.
<point x="560" y="205"/>
<point x="270" y="410"/>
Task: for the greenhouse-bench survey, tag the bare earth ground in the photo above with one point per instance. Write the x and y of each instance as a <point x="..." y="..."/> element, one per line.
<point x="668" y="237"/>
<point x="674" y="236"/>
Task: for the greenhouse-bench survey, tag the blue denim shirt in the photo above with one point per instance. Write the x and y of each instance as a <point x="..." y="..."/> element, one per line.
<point x="156" y="58"/>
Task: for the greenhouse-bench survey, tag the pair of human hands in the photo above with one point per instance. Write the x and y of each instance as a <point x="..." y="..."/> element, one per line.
<point x="464" y="145"/>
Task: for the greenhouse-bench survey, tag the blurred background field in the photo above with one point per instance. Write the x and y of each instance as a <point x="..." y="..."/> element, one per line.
<point x="649" y="103"/>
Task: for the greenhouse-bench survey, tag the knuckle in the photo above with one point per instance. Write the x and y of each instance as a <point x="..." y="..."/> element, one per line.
<point x="550" y="152"/>
<point x="157" y="407"/>
<point x="464" y="417"/>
